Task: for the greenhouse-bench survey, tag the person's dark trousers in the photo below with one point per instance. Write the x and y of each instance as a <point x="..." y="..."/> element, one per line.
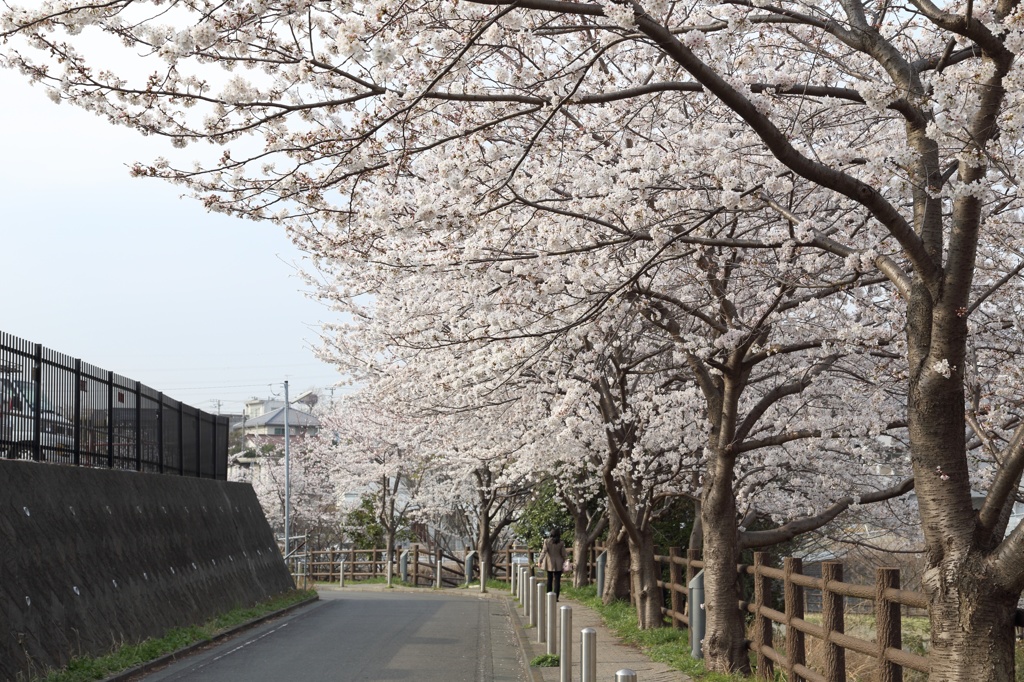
<point x="555" y="583"/>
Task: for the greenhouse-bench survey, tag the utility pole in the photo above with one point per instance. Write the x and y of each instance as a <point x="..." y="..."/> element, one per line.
<point x="287" y="478"/>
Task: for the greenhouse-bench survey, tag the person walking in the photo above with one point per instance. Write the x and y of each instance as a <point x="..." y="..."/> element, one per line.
<point x="553" y="561"/>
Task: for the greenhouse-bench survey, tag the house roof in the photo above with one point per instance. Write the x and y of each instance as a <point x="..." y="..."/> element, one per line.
<point x="296" y="418"/>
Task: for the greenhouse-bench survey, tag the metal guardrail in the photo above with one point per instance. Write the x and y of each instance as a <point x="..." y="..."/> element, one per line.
<point x="55" y="408"/>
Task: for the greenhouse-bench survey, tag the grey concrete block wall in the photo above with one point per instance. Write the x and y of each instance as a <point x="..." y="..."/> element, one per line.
<point x="91" y="558"/>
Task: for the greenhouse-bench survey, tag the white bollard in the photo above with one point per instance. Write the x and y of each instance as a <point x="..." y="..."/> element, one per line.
<point x="528" y="610"/>
<point x="588" y="655"/>
<point x="565" y="646"/>
<point x="549" y="622"/>
<point x="625" y="675"/>
<point x="541" y="621"/>
<point x="341" y="576"/>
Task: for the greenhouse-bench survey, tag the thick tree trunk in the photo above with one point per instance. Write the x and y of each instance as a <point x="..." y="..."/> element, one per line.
<point x="486" y="560"/>
<point x="581" y="545"/>
<point x="483" y="549"/>
<point x="616" y="572"/>
<point x="971" y="604"/>
<point x="972" y="633"/>
<point x="725" y="648"/>
<point x="644" y="576"/>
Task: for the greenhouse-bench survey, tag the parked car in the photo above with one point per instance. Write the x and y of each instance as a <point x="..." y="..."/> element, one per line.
<point x="18" y="418"/>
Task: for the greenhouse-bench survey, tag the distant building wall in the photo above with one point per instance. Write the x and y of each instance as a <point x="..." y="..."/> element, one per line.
<point x="92" y="557"/>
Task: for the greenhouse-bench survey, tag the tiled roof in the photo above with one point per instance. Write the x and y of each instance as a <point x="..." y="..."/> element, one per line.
<point x="296" y="418"/>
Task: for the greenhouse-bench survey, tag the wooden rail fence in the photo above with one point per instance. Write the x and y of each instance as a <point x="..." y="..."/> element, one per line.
<point x="333" y="565"/>
<point x="886" y="649"/>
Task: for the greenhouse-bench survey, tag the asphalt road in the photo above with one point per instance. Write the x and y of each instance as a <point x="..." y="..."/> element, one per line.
<point x="427" y="637"/>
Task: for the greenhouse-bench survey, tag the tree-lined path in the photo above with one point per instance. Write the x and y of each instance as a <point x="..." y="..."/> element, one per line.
<point x="369" y="635"/>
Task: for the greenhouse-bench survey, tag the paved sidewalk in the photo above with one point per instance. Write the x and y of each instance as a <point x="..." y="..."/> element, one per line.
<point x="612" y="654"/>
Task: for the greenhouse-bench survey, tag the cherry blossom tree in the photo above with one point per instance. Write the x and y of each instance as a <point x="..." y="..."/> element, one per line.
<point x="364" y="447"/>
<point x="314" y="508"/>
<point x="885" y="137"/>
<point x="476" y="485"/>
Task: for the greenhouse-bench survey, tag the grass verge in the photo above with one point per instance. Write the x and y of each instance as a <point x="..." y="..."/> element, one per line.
<point x="665" y="645"/>
<point x="131" y="655"/>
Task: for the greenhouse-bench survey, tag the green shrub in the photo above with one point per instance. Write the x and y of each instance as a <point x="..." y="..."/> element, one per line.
<point x="546" y="661"/>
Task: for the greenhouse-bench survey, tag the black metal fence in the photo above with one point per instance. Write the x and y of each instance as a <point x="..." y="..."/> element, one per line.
<point x="54" y="408"/>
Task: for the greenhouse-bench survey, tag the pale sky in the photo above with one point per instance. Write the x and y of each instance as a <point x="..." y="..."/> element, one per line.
<point x="126" y="275"/>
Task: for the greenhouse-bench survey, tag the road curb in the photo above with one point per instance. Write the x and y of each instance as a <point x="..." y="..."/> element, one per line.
<point x="532" y="673"/>
<point x="125" y="675"/>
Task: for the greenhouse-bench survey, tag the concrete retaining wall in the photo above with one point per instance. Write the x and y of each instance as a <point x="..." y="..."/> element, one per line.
<point x="93" y="558"/>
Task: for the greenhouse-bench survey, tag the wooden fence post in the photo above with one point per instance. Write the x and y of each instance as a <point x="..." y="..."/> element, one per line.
<point x="352" y="563"/>
<point x="416" y="565"/>
<point x="832" y="621"/>
<point x="889" y="628"/>
<point x="762" y="624"/>
<point x="794" y="599"/>
<point x="675" y="576"/>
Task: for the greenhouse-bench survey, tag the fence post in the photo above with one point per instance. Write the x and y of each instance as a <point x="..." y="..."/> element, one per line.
<point x="588" y="655"/>
<point x="887" y="617"/>
<point x="415" y="565"/>
<point x="675" y="579"/>
<point x="137" y="431"/>
<point x="110" y="422"/>
<point x="794" y="600"/>
<point x="352" y="563"/>
<point x="832" y="621"/>
<point x="76" y="420"/>
<point x="762" y="624"/>
<point x="565" y="645"/>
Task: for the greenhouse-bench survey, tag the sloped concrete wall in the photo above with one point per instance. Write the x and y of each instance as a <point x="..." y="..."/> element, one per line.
<point x="92" y="558"/>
